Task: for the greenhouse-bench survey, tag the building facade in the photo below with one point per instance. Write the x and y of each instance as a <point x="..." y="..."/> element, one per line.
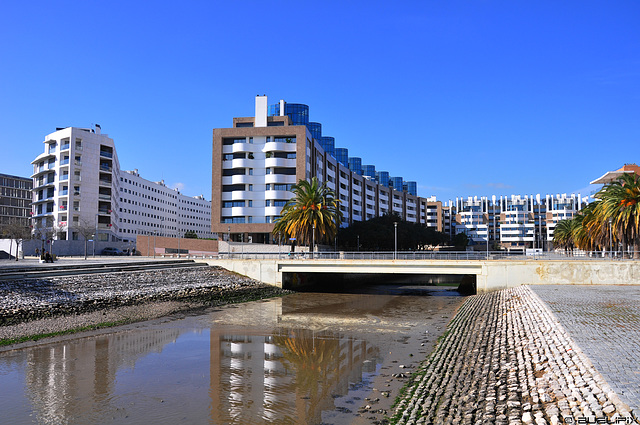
<point x="513" y="221"/>
<point x="15" y="200"/>
<point x="257" y="161"/>
<point x="79" y="190"/>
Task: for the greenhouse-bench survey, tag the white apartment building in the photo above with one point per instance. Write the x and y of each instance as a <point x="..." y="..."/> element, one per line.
<point x="259" y="159"/>
<point x="78" y="184"/>
<point x="514" y="221"/>
<point x="148" y="208"/>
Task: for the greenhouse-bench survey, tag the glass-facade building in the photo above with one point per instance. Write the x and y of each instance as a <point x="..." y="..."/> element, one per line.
<point x="411" y="188"/>
<point x="315" y="128"/>
<point x="342" y="155"/>
<point x="369" y="171"/>
<point x="355" y="165"/>
<point x="396" y="183"/>
<point x="329" y="145"/>
<point x="298" y="113"/>
<point x="383" y="178"/>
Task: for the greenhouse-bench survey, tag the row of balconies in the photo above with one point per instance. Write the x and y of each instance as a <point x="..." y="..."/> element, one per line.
<point x="258" y="163"/>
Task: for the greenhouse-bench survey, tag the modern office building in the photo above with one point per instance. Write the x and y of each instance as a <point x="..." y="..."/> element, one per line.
<point x="256" y="162"/>
<point x="15" y="200"/>
<point x="513" y="221"/>
<point x="78" y="184"/>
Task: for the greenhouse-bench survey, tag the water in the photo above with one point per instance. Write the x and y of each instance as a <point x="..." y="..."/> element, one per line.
<point x="306" y="358"/>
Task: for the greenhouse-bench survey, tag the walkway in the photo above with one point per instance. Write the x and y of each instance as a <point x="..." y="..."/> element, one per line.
<point x="505" y="359"/>
<point x="605" y="322"/>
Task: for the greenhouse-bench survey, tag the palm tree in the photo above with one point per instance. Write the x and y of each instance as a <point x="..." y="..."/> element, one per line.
<point x="562" y="235"/>
<point x="620" y="201"/>
<point x="313" y="204"/>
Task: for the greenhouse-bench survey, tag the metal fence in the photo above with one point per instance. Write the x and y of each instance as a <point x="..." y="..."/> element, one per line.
<point x="433" y="255"/>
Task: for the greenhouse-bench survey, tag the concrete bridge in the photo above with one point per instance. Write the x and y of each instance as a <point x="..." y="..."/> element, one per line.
<point x="485" y="275"/>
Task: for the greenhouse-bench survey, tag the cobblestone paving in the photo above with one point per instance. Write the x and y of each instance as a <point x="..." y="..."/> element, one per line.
<point x="505" y="359"/>
<point x="605" y="323"/>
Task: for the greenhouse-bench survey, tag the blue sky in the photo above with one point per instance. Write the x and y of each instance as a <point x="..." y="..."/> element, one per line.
<point x="468" y="98"/>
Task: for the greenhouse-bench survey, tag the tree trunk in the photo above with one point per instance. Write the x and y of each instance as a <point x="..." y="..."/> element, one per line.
<point x="636" y="249"/>
<point x="17" y="248"/>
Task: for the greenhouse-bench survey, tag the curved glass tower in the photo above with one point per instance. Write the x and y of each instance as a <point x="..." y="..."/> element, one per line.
<point x="355" y="165"/>
<point x="329" y="145"/>
<point x="396" y="183"/>
<point x="297" y="112"/>
<point x="411" y="187"/>
<point x="342" y="155"/>
<point x="369" y="171"/>
<point x="315" y="128"/>
<point x="383" y="178"/>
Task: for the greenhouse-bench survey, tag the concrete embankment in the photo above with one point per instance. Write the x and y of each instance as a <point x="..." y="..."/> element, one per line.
<point x="31" y="306"/>
<point x="505" y="359"/>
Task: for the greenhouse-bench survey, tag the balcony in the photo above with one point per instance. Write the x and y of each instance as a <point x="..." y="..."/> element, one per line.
<point x="64" y="147"/>
<point x="279" y="147"/>
<point x="104" y="197"/>
<point x="107" y="168"/>
<point x="280" y="162"/>
<point x="62" y="207"/>
<point x="64" y="177"/>
<point x="64" y="161"/>
<point x="77" y="163"/>
<point x="279" y="178"/>
<point x="104" y="182"/>
<point x="63" y="192"/>
<point x="104" y="211"/>
<point x="106" y="154"/>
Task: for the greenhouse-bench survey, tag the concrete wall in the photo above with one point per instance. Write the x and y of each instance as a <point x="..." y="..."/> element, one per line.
<point x="198" y="247"/>
<point x="490" y="275"/>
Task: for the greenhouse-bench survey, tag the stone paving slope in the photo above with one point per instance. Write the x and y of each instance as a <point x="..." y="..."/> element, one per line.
<point x="506" y="360"/>
<point x="605" y="322"/>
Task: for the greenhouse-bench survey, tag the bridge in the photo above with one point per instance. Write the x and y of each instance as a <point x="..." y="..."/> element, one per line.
<point x="485" y="275"/>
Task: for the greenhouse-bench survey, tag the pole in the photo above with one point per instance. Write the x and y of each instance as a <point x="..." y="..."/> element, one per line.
<point x="395" y="240"/>
<point x="242" y="245"/>
<point x="313" y="239"/>
<point x="95" y="237"/>
<point x="154" y="243"/>
<point x="610" y="239"/>
<point x="229" y="240"/>
<point x="148" y="242"/>
<point x="358" y="242"/>
<point x="178" y="244"/>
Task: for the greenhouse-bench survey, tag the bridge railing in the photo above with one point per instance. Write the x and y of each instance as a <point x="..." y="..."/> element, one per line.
<point x="431" y="255"/>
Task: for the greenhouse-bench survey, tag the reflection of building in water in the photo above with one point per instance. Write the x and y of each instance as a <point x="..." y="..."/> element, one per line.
<point x="289" y="376"/>
<point x="76" y="379"/>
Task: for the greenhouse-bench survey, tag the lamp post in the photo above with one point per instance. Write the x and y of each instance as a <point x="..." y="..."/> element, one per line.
<point x="179" y="243"/>
<point x="610" y="238"/>
<point x="148" y="243"/>
<point x="313" y="239"/>
<point x="358" y="243"/>
<point x="487" y="240"/>
<point x="229" y="240"/>
<point x="154" y="243"/>
<point x="95" y="237"/>
<point x="395" y="240"/>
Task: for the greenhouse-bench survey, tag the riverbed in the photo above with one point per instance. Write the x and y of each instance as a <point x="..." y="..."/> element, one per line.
<point x="303" y="358"/>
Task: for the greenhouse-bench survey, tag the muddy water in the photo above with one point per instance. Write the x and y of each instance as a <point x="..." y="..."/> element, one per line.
<point x="307" y="358"/>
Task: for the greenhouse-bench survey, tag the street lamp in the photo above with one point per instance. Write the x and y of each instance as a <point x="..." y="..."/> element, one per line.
<point x="358" y="242"/>
<point x="95" y="237"/>
<point x="154" y="243"/>
<point x="395" y="240"/>
<point x="313" y="239"/>
<point x="610" y="238"/>
<point x="229" y="240"/>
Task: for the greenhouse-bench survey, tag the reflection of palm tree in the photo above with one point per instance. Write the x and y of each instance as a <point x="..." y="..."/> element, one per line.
<point x="313" y="204"/>
<point x="314" y="360"/>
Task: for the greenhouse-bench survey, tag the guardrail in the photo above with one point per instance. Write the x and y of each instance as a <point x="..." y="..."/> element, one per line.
<point x="431" y="255"/>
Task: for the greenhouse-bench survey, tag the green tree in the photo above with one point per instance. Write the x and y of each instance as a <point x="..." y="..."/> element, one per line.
<point x="190" y="234"/>
<point x="620" y="202"/>
<point x="313" y="203"/>
<point x="460" y="241"/>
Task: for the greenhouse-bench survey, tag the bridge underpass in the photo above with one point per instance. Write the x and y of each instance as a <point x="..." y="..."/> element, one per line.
<point x="490" y="275"/>
<point x="398" y="283"/>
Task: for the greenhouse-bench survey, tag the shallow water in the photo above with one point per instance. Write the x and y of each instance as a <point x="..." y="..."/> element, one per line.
<point x="307" y="358"/>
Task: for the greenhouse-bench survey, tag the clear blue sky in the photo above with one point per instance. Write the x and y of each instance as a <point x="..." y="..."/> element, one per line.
<point x="465" y="97"/>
